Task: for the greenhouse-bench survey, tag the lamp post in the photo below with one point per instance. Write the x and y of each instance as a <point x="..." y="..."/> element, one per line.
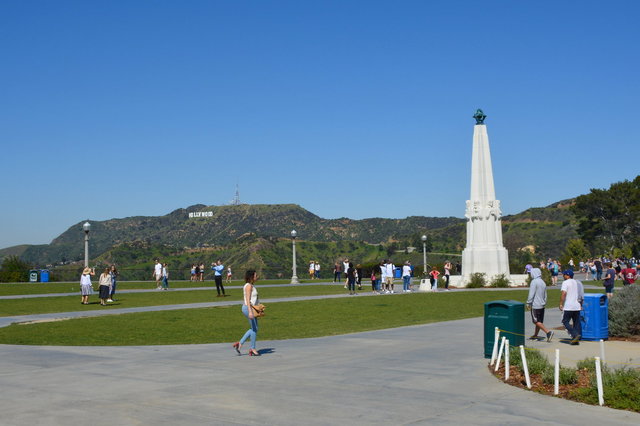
<point x="86" y="228"/>
<point x="424" y="252"/>
<point x="294" y="277"/>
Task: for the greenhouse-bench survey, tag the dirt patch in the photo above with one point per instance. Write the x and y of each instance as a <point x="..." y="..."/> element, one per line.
<point x="517" y="378"/>
<point x="42" y="320"/>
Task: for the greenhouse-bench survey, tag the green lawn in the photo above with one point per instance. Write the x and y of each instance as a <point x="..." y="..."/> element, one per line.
<point x="12" y="289"/>
<point x="285" y="320"/>
<point x="44" y="305"/>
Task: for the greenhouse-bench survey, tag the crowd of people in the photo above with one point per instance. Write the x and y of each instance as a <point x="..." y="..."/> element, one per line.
<point x="572" y="291"/>
<point x="107" y="281"/>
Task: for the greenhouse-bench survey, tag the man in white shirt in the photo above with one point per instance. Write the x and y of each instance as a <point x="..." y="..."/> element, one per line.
<point x="383" y="276"/>
<point x="406" y="277"/>
<point x="345" y="265"/>
<point x="390" y="269"/>
<point x="157" y="274"/>
<point x="571" y="307"/>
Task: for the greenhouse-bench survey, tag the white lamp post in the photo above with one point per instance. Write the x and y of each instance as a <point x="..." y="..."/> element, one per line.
<point x="424" y="252"/>
<point x="294" y="277"/>
<point x="86" y="228"/>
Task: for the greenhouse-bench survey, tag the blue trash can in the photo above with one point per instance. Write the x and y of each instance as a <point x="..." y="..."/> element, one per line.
<point x="398" y="272"/>
<point x="33" y="276"/>
<point x="594" y="317"/>
<point x="44" y="275"/>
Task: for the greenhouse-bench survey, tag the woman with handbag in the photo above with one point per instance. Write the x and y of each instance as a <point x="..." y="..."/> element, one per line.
<point x="248" y="309"/>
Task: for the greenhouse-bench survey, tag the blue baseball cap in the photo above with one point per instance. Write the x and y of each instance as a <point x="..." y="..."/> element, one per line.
<point x="568" y="272"/>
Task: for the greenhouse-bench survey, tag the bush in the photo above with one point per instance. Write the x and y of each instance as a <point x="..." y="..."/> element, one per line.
<point x="587" y="364"/>
<point x="14" y="270"/>
<point x="500" y="281"/>
<point x="624" y="312"/>
<point x="621" y="389"/>
<point x="478" y="280"/>
<point x="536" y="362"/>
<point x="567" y="376"/>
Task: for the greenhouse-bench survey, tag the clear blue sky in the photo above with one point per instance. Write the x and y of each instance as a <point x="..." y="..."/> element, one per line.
<point x="349" y="108"/>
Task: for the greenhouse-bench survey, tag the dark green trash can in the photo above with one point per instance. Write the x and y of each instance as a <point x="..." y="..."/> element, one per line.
<point x="508" y="316"/>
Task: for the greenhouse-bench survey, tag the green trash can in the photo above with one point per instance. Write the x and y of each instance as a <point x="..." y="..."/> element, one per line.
<point x="508" y="316"/>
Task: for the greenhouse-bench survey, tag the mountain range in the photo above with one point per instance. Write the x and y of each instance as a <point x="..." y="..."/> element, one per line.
<point x="544" y="230"/>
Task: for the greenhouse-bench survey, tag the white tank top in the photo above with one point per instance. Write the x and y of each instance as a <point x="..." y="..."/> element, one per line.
<point x="254" y="294"/>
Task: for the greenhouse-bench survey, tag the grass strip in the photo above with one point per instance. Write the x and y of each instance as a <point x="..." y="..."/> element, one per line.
<point x="53" y="304"/>
<point x="14" y="289"/>
<point x="285" y="320"/>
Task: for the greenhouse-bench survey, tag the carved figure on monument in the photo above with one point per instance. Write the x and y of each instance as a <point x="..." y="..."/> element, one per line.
<point x="479" y="116"/>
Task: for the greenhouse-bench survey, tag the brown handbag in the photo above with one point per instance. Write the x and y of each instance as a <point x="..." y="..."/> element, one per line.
<point x="258" y="310"/>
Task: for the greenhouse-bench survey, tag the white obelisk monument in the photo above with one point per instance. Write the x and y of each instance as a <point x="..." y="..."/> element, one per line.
<point x="484" y="251"/>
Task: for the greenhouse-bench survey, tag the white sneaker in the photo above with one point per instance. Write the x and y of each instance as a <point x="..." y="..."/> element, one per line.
<point x="109" y="300"/>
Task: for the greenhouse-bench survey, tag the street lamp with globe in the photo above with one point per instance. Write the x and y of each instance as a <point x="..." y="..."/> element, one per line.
<point x="294" y="277"/>
<point x="86" y="228"/>
<point x="424" y="252"/>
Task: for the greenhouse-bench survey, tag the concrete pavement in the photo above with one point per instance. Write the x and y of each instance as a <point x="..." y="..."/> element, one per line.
<point x="427" y="374"/>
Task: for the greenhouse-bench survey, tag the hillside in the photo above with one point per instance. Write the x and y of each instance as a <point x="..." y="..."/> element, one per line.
<point x="224" y="225"/>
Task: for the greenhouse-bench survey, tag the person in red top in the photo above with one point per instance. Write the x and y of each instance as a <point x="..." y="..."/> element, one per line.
<point x="629" y="275"/>
<point x="433" y="275"/>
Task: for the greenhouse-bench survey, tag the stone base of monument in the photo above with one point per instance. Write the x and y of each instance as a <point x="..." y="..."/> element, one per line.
<point x="518" y="280"/>
<point x="425" y="285"/>
<point x="456" y="281"/>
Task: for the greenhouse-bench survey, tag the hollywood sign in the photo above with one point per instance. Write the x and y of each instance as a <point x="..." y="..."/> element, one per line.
<point x="200" y="214"/>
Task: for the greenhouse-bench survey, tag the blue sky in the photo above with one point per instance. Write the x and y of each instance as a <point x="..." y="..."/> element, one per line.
<point x="349" y="108"/>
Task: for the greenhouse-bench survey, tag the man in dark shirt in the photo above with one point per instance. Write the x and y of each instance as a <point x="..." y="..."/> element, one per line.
<point x="598" y="264"/>
<point x="609" y="280"/>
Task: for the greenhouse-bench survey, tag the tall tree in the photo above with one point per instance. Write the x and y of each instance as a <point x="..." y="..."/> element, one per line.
<point x="610" y="218"/>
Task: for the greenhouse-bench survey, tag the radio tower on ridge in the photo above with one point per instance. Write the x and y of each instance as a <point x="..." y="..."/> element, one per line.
<point x="236" y="198"/>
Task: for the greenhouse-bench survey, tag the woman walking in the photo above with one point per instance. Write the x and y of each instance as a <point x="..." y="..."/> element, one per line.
<point x="105" y="286"/>
<point x="86" y="288"/>
<point x="250" y="299"/>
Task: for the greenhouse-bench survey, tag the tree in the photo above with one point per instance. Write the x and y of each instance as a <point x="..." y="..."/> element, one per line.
<point x="610" y="218"/>
<point x="14" y="269"/>
<point x="576" y="250"/>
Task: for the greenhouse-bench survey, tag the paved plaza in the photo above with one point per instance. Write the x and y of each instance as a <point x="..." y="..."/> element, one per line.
<point x="427" y="374"/>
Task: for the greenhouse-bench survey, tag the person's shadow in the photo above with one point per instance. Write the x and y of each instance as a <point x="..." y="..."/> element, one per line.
<point x="265" y="351"/>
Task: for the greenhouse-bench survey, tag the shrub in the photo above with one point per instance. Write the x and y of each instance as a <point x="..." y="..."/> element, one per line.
<point x="14" y="269"/>
<point x="500" y="281"/>
<point x="624" y="312"/>
<point x="478" y="280"/>
<point x="621" y="389"/>
<point x="588" y="364"/>
<point x="537" y="362"/>
<point x="567" y="376"/>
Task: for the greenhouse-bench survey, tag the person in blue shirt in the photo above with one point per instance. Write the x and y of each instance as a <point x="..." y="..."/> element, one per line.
<point x="217" y="268"/>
